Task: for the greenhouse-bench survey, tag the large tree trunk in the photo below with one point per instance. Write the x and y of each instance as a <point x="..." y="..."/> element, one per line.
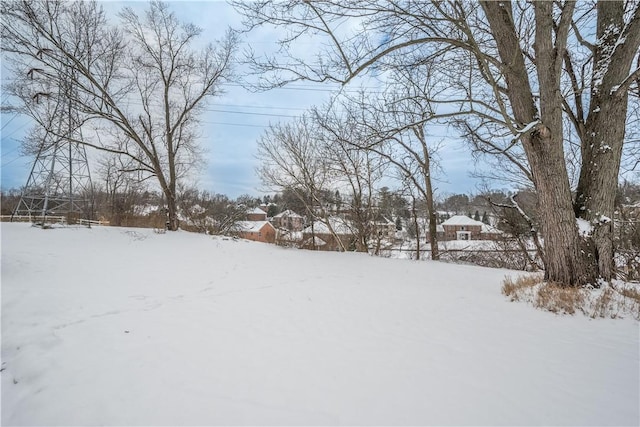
<point x="169" y="191"/>
<point x="428" y="189"/>
<point x="544" y="145"/>
<point x="172" y="212"/>
<point x="603" y="139"/>
<point x="564" y="263"/>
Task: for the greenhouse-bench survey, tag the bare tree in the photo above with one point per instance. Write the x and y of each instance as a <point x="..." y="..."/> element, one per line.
<point x="122" y="188"/>
<point x="507" y="64"/>
<point x="139" y="88"/>
<point x="292" y="158"/>
<point x="393" y="128"/>
<point x="356" y="171"/>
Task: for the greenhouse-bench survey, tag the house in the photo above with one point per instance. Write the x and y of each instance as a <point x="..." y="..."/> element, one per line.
<point x="256" y="214"/>
<point x="385" y="228"/>
<point x="440" y="235"/>
<point x="288" y="220"/>
<point x="461" y="227"/>
<point x="258" y="231"/>
<point x="319" y="235"/>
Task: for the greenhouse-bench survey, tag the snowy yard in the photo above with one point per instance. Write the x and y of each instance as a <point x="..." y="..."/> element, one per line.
<point x="112" y="326"/>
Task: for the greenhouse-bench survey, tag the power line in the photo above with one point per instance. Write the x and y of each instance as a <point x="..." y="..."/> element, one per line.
<point x="16" y="130"/>
<point x="9" y="121"/>
<point x="234" y="124"/>
<point x="251" y="113"/>
<point x="11" y="161"/>
<point x="267" y="107"/>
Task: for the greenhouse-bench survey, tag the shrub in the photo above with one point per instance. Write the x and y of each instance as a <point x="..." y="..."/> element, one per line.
<point x="613" y="300"/>
<point x="516" y="290"/>
<point x="559" y="299"/>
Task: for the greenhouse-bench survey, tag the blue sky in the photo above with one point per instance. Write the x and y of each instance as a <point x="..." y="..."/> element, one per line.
<point x="234" y="121"/>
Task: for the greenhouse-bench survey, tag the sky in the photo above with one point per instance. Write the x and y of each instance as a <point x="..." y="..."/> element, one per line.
<point x="235" y="120"/>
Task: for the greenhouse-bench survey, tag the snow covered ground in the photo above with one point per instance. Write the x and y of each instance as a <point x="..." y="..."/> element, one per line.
<point x="113" y="326"/>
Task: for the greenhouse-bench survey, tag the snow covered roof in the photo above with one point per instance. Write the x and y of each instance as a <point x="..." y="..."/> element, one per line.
<point x="339" y="226"/>
<point x="316" y="241"/>
<point x="288" y="213"/>
<point x="461" y="220"/>
<point x="465" y="220"/>
<point x="486" y="228"/>
<point x="256" y="211"/>
<point x="383" y="220"/>
<point x="251" y="226"/>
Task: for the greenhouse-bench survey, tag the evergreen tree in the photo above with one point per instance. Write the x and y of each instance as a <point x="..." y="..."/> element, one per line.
<point x="485" y="218"/>
<point x="272" y="210"/>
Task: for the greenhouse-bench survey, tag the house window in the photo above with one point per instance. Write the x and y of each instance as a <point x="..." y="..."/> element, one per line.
<point x="463" y="235"/>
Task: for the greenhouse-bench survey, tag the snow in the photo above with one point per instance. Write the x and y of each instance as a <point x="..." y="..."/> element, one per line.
<point x="288" y="214"/>
<point x="251" y="226"/>
<point x="256" y="211"/>
<point x="113" y="326"/>
<point x="603" y="219"/>
<point x="584" y="227"/>
<point x="461" y="220"/>
<point x="528" y="127"/>
<point x="340" y="226"/>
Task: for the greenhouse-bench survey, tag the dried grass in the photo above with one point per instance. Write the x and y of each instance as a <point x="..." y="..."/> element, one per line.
<point x="560" y="299"/>
<point x="522" y="285"/>
<point x="615" y="300"/>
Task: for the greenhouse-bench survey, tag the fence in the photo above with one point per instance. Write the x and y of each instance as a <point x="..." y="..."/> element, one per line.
<point x="91" y="222"/>
<point x="515" y="259"/>
<point x="49" y="219"/>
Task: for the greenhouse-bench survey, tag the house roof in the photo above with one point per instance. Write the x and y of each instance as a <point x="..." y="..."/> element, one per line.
<point x="383" y="220"/>
<point x="465" y="220"/>
<point x="316" y="241"/>
<point x="461" y="220"/>
<point x="251" y="226"/>
<point x="486" y="228"/>
<point x="256" y="211"/>
<point x="288" y="213"/>
<point x="339" y="226"/>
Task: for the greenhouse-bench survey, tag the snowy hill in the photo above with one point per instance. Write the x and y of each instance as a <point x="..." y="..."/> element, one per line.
<point x="113" y="326"/>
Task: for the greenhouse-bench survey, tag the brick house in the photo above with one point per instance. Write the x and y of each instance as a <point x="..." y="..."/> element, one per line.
<point x="256" y="214"/>
<point x="320" y="237"/>
<point x="385" y="228"/>
<point x="258" y="231"/>
<point x="461" y="227"/>
<point x="288" y="220"/>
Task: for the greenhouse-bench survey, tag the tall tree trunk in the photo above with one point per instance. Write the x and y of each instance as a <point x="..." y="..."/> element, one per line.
<point x="414" y="214"/>
<point x="428" y="192"/>
<point x="172" y="210"/>
<point x="603" y="139"/>
<point x="564" y="263"/>
<point x="544" y="145"/>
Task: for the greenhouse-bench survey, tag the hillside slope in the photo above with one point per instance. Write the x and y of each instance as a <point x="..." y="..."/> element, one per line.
<point x="117" y="326"/>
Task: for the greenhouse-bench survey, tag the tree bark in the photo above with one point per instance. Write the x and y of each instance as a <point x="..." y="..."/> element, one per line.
<point x="428" y="191"/>
<point x="172" y="211"/>
<point x="544" y="145"/>
<point x="603" y="139"/>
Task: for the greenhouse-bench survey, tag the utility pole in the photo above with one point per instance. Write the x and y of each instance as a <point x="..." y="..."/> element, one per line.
<point x="60" y="181"/>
